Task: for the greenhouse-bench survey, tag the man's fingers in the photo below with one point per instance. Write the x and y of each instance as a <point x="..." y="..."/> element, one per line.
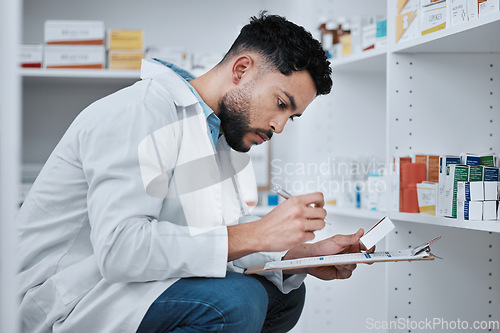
<point x="316" y="199"/>
<point x="345" y="271"/>
<point x="346" y="240"/>
<point x="314" y="213"/>
<point x="314" y="224"/>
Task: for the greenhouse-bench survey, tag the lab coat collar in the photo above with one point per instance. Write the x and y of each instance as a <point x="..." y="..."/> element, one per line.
<point x="179" y="91"/>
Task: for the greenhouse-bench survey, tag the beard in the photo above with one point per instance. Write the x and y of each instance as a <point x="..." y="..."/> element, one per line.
<point x="234" y="113"/>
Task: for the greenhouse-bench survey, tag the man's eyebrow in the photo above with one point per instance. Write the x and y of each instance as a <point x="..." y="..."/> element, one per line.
<point x="292" y="100"/>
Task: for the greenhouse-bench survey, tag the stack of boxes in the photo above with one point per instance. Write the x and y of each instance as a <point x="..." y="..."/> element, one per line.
<point x="421" y="17"/>
<point x="466" y="187"/>
<point x="472" y="188"/>
<point x="70" y="44"/>
<point x="125" y="49"/>
<point x="354" y="35"/>
<point x="74" y="44"/>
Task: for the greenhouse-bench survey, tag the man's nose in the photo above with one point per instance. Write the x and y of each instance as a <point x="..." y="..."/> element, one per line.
<point x="277" y="125"/>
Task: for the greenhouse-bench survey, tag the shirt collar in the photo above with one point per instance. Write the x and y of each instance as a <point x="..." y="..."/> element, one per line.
<point x="187" y="76"/>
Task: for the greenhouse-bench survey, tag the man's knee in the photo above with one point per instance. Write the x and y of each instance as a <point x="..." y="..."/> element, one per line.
<point x="247" y="300"/>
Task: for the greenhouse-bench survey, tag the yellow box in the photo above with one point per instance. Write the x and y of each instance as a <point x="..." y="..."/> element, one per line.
<point x="125" y="59"/>
<point x="125" y="39"/>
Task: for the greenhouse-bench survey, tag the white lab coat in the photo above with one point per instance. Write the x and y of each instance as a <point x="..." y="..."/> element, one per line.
<point x="133" y="198"/>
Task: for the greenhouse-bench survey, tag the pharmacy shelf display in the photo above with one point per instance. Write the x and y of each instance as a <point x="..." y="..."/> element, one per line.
<point x="479" y="36"/>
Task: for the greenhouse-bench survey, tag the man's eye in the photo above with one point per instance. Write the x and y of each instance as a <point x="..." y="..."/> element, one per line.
<point x="292" y="118"/>
<point x="281" y="105"/>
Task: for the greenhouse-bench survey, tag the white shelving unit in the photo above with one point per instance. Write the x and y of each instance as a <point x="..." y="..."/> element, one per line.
<point x="79" y="73"/>
<point x="379" y="98"/>
<point x="369" y="61"/>
<point x="10" y="121"/>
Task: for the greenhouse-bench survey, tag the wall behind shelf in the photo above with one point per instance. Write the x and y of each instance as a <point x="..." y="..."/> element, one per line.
<point x="49" y="109"/>
<point x="444" y="103"/>
<point x="196" y="25"/>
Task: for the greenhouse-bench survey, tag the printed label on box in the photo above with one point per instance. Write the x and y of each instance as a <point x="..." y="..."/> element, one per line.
<point x="87" y="57"/>
<point x="74" y="32"/>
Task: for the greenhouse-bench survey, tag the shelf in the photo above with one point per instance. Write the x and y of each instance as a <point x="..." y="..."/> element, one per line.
<point x="79" y="75"/>
<point x="480" y="35"/>
<point x="367" y="61"/>
<point x="493" y="226"/>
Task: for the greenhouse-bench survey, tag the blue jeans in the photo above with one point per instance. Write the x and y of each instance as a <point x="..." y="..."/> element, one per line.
<point x="237" y="304"/>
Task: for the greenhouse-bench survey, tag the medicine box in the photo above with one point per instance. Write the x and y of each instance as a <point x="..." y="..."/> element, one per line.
<point x="490" y="190"/>
<point x="407" y="25"/>
<point x="427" y="196"/>
<point x="74" y="32"/>
<point x="74" y="56"/>
<point x="376" y="233"/>
<point x="470" y="210"/>
<point x="31" y="55"/>
<point x="472" y="9"/>
<point x="470" y="191"/>
<point x="487" y="7"/>
<point x="434" y="16"/>
<point x="491" y="174"/>
<point x="368" y="33"/>
<point x="489" y="160"/>
<point x="455" y="173"/>
<point x="490" y="210"/>
<point x="121" y="39"/>
<point x="458" y="12"/>
<point x="125" y="59"/>
<point x="406" y="21"/>
<point x="470" y="159"/>
<point x="444" y="161"/>
<point x="476" y="173"/>
<point x="381" y="33"/>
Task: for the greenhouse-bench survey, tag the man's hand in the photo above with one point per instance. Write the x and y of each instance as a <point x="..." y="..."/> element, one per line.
<point x="290" y="224"/>
<point x="337" y="244"/>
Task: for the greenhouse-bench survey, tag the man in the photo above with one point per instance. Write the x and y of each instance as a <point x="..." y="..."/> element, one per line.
<point x="136" y="222"/>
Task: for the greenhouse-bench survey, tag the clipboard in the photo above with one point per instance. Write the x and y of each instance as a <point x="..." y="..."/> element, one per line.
<point x="421" y="252"/>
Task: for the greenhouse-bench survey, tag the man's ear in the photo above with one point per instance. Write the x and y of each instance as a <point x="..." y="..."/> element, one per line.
<point x="241" y="66"/>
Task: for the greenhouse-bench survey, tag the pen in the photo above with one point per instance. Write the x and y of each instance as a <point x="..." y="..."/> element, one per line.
<point x="286" y="195"/>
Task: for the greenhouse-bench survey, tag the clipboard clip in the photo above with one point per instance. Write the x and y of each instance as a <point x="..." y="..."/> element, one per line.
<point x="424" y="247"/>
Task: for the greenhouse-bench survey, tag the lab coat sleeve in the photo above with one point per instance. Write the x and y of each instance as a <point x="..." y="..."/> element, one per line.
<point x="276" y="277"/>
<point x="130" y="243"/>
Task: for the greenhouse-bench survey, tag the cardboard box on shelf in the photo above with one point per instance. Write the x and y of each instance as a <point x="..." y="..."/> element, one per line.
<point x="490" y="190"/>
<point x="427" y="196"/>
<point x="125" y="59"/>
<point x="472" y="9"/>
<point x="488" y="7"/>
<point x="455" y="173"/>
<point x="74" y="56"/>
<point x="435" y="16"/>
<point x="470" y="210"/>
<point x="407" y="26"/>
<point x="458" y="12"/>
<point x="74" y="32"/>
<point x="444" y="162"/>
<point x="123" y="39"/>
<point x="490" y="210"/>
<point x="470" y="191"/>
<point x="31" y="55"/>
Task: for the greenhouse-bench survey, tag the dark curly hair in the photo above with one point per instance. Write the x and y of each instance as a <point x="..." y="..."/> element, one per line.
<point x="287" y="46"/>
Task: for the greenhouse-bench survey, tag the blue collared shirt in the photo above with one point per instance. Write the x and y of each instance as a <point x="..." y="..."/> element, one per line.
<point x="212" y="120"/>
